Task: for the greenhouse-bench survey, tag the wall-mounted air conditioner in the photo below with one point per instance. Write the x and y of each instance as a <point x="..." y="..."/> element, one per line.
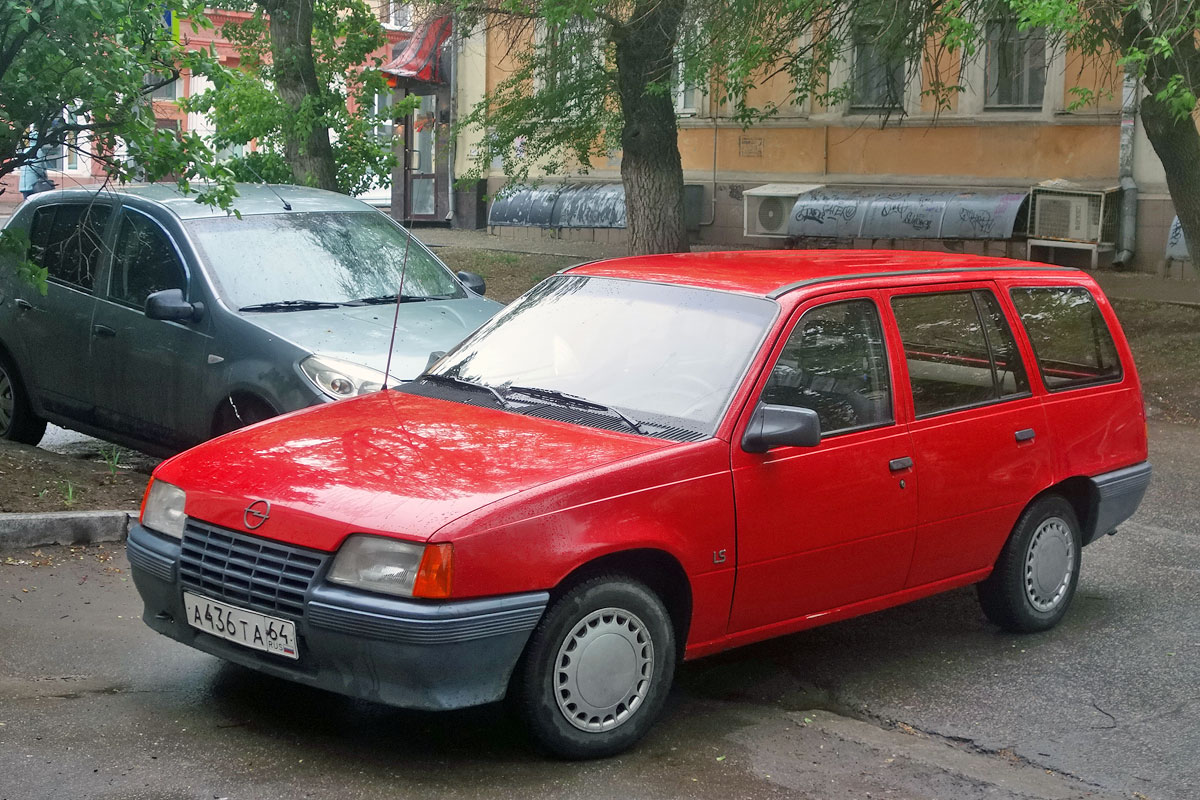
<point x="1074" y="216"/>
<point x="767" y="209"/>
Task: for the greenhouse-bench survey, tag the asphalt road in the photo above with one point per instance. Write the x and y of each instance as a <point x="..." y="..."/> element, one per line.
<point x="924" y="701"/>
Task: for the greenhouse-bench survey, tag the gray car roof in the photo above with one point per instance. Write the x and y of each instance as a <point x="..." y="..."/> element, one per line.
<point x="253" y="198"/>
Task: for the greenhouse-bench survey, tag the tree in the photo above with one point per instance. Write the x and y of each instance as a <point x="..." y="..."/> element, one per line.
<point x="77" y="75"/>
<point x="305" y="64"/>
<point x="588" y="79"/>
<point x="1157" y="41"/>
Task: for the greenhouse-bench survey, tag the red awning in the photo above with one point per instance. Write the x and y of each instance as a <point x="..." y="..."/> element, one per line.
<point x="419" y="61"/>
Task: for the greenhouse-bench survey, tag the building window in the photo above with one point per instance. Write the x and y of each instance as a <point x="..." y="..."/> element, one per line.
<point x="395" y="15"/>
<point x="383" y="112"/>
<point x="1016" y="66"/>
<point x="167" y="91"/>
<point x="879" y="72"/>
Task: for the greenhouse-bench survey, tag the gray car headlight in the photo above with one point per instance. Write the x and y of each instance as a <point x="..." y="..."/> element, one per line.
<point x="163" y="509"/>
<point x="339" y="379"/>
<point x="391" y="566"/>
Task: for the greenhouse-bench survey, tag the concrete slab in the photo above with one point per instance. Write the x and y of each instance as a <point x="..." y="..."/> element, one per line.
<point x="63" y="527"/>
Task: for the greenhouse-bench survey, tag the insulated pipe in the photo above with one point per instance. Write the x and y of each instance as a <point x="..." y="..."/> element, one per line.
<point x="1127" y="233"/>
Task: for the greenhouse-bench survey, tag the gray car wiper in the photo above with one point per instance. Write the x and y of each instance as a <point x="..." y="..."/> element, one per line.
<point x="451" y="380"/>
<point x="384" y="299"/>
<point x="573" y="401"/>
<point x="291" y="305"/>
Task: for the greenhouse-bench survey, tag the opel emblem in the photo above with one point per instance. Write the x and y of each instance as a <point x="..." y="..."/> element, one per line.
<point x="256" y="514"/>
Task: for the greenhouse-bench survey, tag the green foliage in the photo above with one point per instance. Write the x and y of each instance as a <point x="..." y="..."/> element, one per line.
<point x="246" y="107"/>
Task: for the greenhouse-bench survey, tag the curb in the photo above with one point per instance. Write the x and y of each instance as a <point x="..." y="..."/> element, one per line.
<point x="63" y="527"/>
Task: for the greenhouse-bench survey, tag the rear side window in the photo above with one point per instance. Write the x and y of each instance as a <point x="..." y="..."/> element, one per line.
<point x="1070" y="338"/>
<point x="960" y="351"/>
<point x="835" y="363"/>
<point x="67" y="240"/>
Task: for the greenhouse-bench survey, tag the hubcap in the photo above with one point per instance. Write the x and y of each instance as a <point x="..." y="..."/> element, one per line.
<point x="8" y="402"/>
<point x="1049" y="564"/>
<point x="603" y="670"/>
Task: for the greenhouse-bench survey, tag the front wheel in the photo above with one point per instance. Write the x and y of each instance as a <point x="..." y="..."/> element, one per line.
<point x="1035" y="576"/>
<point x="597" y="669"/>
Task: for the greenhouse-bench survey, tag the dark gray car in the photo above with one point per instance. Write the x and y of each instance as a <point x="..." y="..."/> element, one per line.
<point x="167" y="322"/>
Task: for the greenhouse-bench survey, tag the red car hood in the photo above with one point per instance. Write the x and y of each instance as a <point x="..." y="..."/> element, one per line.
<point x="389" y="463"/>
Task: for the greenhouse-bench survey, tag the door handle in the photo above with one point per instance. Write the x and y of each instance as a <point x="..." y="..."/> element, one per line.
<point x="23" y="304"/>
<point x="1025" y="435"/>
<point x="897" y="464"/>
<point x="103" y="330"/>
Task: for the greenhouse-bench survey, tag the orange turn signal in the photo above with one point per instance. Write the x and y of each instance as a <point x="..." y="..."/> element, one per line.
<point x="433" y="576"/>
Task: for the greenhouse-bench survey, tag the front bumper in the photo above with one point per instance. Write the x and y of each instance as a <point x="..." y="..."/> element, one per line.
<point x="407" y="653"/>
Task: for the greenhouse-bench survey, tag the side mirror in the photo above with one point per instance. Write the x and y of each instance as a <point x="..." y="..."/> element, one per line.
<point x="776" y="426"/>
<point x="168" y="304"/>
<point x="472" y="281"/>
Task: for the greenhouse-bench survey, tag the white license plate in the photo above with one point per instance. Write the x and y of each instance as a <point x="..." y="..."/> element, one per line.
<point x="248" y="628"/>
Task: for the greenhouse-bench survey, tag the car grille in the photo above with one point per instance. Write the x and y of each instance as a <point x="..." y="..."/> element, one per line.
<point x="247" y="571"/>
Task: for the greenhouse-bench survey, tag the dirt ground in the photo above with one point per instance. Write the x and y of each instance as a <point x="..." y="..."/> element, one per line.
<point x="1165" y="340"/>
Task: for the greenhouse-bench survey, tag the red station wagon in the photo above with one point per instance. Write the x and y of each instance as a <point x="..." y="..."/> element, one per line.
<point x="658" y="458"/>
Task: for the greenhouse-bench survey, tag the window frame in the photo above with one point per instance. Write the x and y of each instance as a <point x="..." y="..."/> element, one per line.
<point x="1006" y="31"/>
<point x="889" y="367"/>
<point x="972" y="291"/>
<point x="107" y="294"/>
<point x="866" y="34"/>
<point x="1099" y="314"/>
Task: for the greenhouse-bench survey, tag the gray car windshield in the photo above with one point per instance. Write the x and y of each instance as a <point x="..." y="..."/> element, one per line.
<point x="319" y="258"/>
<point x="658" y="354"/>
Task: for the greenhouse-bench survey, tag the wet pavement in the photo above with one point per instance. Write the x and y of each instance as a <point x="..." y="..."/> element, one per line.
<point x="923" y="701"/>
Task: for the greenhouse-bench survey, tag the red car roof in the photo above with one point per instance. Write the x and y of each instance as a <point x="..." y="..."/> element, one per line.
<point x="765" y="272"/>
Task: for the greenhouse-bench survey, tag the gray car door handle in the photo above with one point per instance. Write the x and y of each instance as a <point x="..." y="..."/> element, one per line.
<point x="1025" y="435"/>
<point x="103" y="330"/>
<point x="897" y="464"/>
<point x="23" y="304"/>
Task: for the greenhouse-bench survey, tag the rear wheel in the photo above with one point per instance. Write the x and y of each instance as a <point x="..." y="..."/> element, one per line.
<point x="597" y="669"/>
<point x="1035" y="577"/>
<point x="18" y="423"/>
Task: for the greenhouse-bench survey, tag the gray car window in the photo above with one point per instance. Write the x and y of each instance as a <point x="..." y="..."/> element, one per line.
<point x="144" y="262"/>
<point x="67" y="240"/>
<point x="321" y="256"/>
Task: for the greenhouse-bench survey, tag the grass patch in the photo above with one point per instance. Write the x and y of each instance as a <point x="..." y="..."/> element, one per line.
<point x="508" y="275"/>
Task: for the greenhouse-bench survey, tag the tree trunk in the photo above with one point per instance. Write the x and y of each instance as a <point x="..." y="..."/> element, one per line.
<point x="306" y="145"/>
<point x="651" y="169"/>
<point x="1177" y="143"/>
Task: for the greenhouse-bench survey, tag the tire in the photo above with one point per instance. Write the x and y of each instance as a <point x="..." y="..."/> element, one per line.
<point x="235" y="413"/>
<point x="18" y="423"/>
<point x="1035" y="576"/>
<point x="616" y="632"/>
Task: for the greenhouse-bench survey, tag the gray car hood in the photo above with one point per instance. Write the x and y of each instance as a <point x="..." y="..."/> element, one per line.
<point x="361" y="333"/>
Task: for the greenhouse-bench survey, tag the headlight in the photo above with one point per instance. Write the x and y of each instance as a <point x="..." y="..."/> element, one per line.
<point x="163" y="509"/>
<point x="339" y="379"/>
<point x="380" y="564"/>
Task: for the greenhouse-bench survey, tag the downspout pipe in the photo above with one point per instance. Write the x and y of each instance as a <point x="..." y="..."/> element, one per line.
<point x="1127" y="228"/>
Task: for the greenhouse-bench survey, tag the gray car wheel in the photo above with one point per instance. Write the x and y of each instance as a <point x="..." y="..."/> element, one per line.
<point x="18" y="423"/>
<point x="597" y="669"/>
<point x="1035" y="576"/>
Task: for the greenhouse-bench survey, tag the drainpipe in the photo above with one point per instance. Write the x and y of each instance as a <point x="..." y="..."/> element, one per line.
<point x="453" y="150"/>
<point x="1127" y="233"/>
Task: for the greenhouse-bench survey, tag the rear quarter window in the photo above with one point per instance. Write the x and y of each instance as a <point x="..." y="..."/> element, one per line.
<point x="1070" y="338"/>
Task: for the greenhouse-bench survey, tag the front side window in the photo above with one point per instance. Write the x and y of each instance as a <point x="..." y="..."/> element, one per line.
<point x="1070" y="338"/>
<point x="835" y="363"/>
<point x="68" y="241"/>
<point x="959" y="350"/>
<point x="324" y="257"/>
<point x="144" y="262"/>
<point x="1016" y="66"/>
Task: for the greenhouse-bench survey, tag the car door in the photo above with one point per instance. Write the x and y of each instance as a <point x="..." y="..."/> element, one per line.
<point x="69" y="241"/>
<point x="980" y="435"/>
<point x="826" y="526"/>
<point x="149" y="373"/>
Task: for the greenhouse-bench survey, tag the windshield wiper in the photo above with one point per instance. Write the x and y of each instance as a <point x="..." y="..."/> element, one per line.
<point x="384" y="299"/>
<point x="573" y="401"/>
<point x="450" y="380"/>
<point x="290" y="305"/>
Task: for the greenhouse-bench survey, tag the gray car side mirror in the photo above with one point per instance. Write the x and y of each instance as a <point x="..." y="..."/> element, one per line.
<point x="472" y="281"/>
<point x="168" y="304"/>
<point x="776" y="426"/>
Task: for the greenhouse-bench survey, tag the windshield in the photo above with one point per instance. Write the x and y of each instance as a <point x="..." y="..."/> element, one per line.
<point x="319" y="257"/>
<point x="657" y="353"/>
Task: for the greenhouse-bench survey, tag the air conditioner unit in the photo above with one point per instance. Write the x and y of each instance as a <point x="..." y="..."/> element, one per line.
<point x="767" y="209"/>
<point x="1067" y="217"/>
